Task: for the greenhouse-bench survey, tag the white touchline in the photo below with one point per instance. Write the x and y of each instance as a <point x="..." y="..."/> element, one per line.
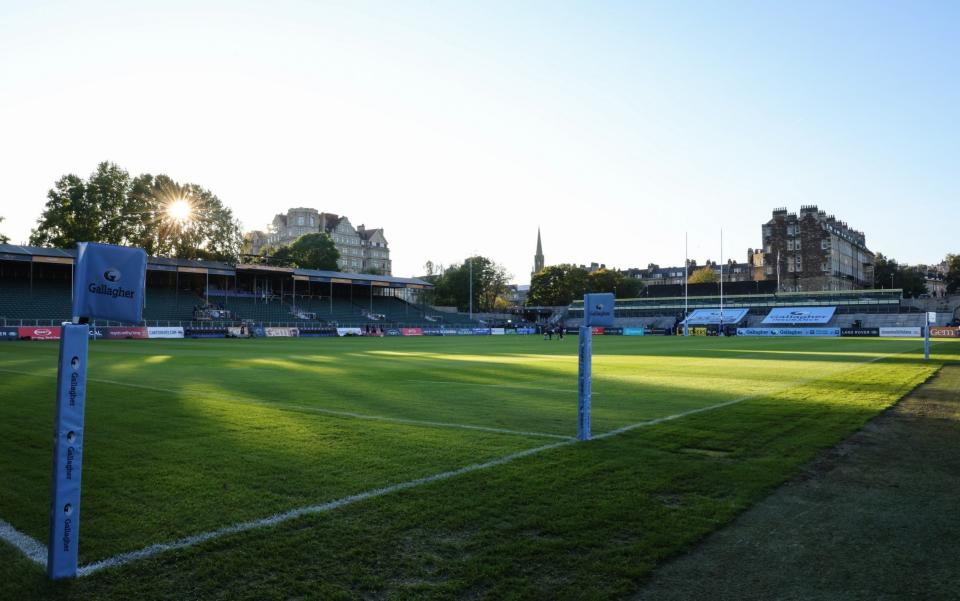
<point x="37" y="552"/>
<point x="285" y="406"/>
<point x="33" y="549"/>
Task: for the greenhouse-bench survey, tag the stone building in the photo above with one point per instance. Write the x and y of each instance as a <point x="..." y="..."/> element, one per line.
<point x="361" y="249"/>
<point x="654" y="275"/>
<point x="815" y="251"/>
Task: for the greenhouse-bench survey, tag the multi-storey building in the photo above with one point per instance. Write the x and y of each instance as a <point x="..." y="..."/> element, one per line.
<point x="815" y="251"/>
<point x="654" y="275"/>
<point x="361" y="249"/>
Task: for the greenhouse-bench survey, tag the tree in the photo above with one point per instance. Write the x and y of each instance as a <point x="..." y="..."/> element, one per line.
<point x="884" y="271"/>
<point x="3" y="239"/>
<point x="911" y="281"/>
<point x="629" y="288"/>
<point x="953" y="274"/>
<point x="704" y="275"/>
<point x="209" y="231"/>
<point x="111" y="207"/>
<point x="90" y="210"/>
<point x="315" y="251"/>
<point x="604" y="280"/>
<point x="557" y="285"/>
<point x="452" y="287"/>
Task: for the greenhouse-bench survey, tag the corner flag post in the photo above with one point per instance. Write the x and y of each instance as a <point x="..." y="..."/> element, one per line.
<point x="597" y="311"/>
<point x="109" y="284"/>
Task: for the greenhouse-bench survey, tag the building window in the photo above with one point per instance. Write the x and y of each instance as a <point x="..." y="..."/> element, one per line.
<point x="789" y="244"/>
<point x="796" y="244"/>
<point x="825" y="244"/>
<point x="300" y="220"/>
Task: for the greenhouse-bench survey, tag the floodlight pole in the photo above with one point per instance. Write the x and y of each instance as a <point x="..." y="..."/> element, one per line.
<point x="470" y="288"/>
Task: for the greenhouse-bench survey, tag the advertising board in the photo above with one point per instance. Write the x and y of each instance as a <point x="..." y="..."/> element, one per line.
<point x="9" y="333"/>
<point x="788" y="331"/>
<point x="633" y="331"/>
<point x="165" y="332"/>
<point x="799" y="315"/>
<point x="481" y="331"/>
<point x="945" y="332"/>
<point x="320" y="332"/>
<point x="901" y="332"/>
<point x="283" y="332"/>
<point x="391" y="332"/>
<point x="411" y="331"/>
<point x="39" y="332"/>
<point x="613" y="331"/>
<point x="201" y="332"/>
<point x="347" y="332"/>
<point x="123" y="332"/>
<point x="526" y="330"/>
<point x="860" y="332"/>
<point x="712" y="316"/>
<point x="497" y="331"/>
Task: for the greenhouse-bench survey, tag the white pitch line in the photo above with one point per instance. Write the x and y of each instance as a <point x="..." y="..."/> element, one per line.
<point x="33" y="549"/>
<point x="283" y="405"/>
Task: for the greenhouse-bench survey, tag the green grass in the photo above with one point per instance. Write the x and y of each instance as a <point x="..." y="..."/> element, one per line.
<point x="189" y="436"/>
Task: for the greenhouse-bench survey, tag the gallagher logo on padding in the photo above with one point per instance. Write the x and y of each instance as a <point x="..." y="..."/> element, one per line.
<point x="112" y="274"/>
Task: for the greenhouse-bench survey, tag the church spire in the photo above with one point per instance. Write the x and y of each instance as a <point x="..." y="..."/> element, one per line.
<point x="538" y="258"/>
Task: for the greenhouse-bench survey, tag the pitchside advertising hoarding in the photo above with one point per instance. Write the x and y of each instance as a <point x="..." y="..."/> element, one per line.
<point x="860" y="332"/>
<point x="901" y="332"/>
<point x="9" y="333"/>
<point x="799" y="315"/>
<point x="39" y="332"/>
<point x="944" y="332"/>
<point x="788" y="331"/>
<point x="715" y="316"/>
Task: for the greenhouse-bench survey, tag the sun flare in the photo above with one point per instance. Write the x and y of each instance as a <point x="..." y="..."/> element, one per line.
<point x="179" y="210"/>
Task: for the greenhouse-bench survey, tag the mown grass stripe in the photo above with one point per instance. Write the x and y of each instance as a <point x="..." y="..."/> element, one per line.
<point x="284" y="406"/>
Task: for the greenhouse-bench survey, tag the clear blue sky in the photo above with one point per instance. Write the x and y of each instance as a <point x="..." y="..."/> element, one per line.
<point x="462" y="127"/>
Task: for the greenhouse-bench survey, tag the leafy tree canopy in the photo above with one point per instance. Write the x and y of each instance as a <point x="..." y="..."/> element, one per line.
<point x="704" y="275"/>
<point x="452" y="286"/>
<point x="315" y="251"/>
<point x="3" y="239"/>
<point x="953" y="273"/>
<point x="156" y="213"/>
<point x="557" y="285"/>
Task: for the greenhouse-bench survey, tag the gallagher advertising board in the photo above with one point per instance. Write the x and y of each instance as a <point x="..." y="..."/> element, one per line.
<point x="799" y="315"/>
<point x="9" y="333"/>
<point x="788" y="331"/>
